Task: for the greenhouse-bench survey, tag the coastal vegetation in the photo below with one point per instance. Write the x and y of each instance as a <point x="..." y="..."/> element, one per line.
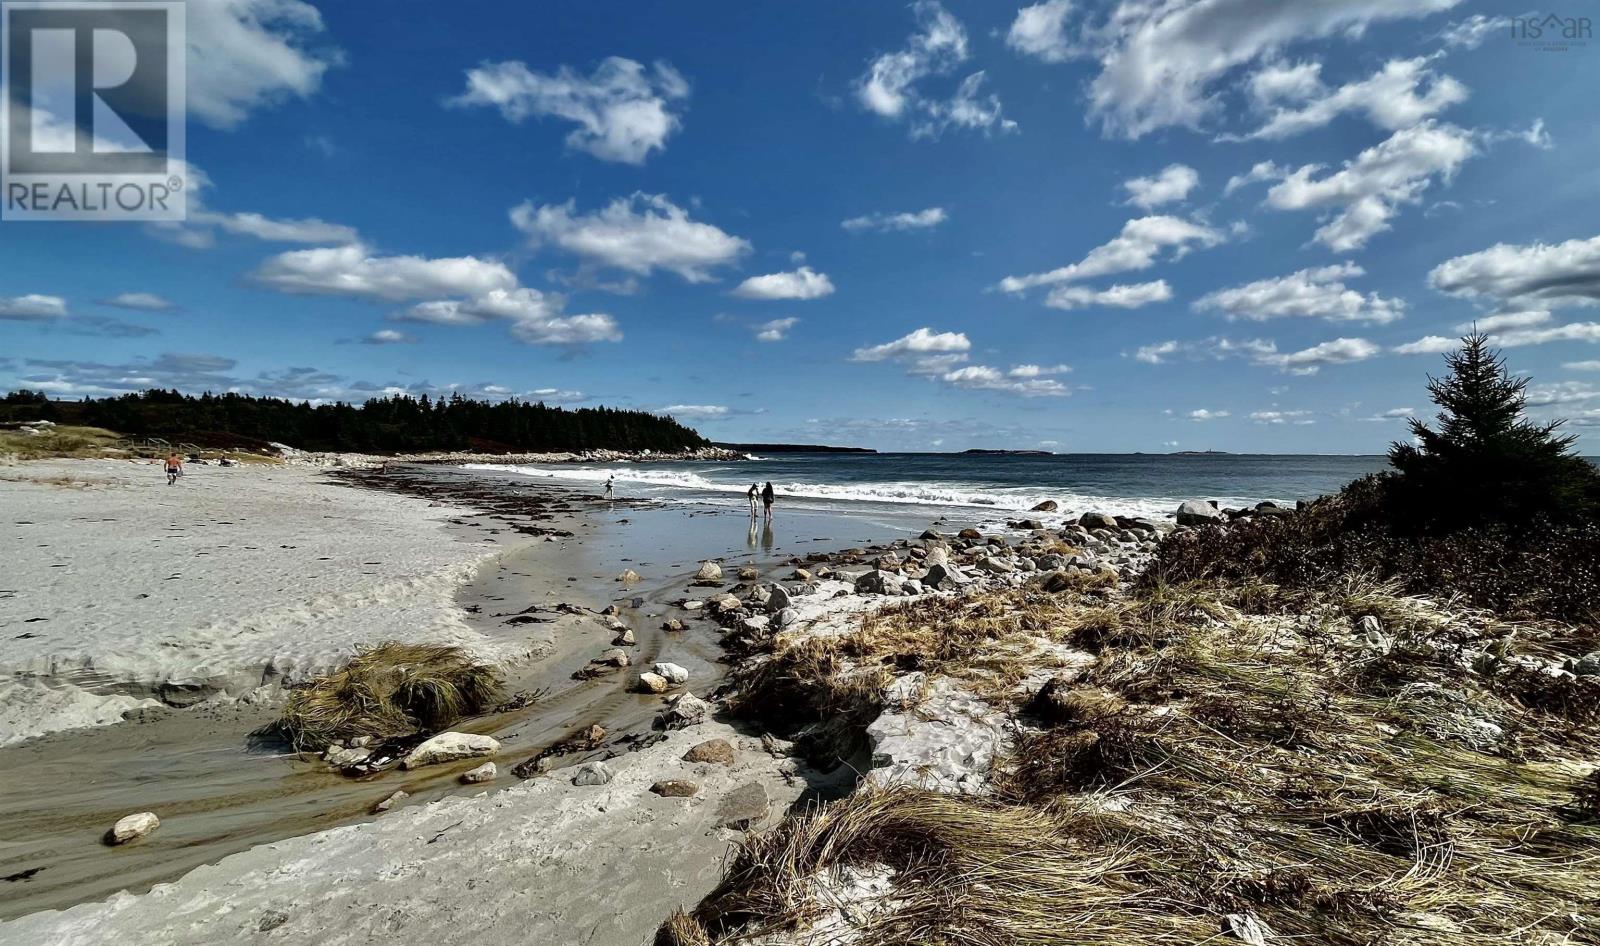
<point x="391" y="691"/>
<point x="395" y="424"/>
<point x="1488" y="505"/>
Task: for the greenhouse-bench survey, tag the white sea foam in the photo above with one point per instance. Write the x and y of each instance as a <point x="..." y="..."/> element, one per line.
<point x="659" y="482"/>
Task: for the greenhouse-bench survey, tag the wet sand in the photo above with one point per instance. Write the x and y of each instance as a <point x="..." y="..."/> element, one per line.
<point x="218" y="794"/>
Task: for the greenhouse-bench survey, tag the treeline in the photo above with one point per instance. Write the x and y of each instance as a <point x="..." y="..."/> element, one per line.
<point x="397" y="424"/>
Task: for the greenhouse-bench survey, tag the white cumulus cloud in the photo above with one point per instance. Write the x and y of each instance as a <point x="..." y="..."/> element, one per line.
<point x="801" y="284"/>
<point x="1318" y="293"/>
<point x="623" y="110"/>
<point x="637" y="234"/>
<point x="887" y="222"/>
<point x="939" y="45"/>
<point x="32" y="308"/>
<point x="1172" y="185"/>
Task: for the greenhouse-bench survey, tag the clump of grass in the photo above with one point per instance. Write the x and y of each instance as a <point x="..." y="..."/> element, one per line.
<point x="966" y="871"/>
<point x="390" y="691"/>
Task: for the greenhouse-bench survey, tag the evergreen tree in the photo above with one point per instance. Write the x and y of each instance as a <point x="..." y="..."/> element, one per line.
<point x="1486" y="462"/>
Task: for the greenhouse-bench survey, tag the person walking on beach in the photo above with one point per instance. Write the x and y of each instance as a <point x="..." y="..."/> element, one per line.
<point x="752" y="494"/>
<point x="611" y="486"/>
<point x="766" y="499"/>
<point x="174" y="467"/>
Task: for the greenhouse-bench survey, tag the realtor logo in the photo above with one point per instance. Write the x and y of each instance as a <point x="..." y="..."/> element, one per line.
<point x="92" y="110"/>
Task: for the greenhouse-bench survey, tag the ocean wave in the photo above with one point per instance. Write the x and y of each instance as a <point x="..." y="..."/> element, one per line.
<point x="998" y="500"/>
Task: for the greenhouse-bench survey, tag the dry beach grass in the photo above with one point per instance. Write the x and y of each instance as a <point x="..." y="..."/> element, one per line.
<point x="390" y="691"/>
<point x="1347" y="766"/>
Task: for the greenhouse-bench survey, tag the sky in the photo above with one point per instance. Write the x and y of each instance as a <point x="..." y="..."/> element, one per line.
<point x="1138" y="225"/>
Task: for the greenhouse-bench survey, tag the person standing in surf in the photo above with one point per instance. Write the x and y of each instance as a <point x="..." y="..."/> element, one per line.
<point x="752" y="494"/>
<point x="767" y="495"/>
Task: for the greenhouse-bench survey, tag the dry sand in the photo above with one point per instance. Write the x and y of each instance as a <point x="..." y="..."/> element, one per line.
<point x="118" y="589"/>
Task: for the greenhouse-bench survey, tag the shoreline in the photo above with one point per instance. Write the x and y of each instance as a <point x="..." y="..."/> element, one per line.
<point x="570" y="843"/>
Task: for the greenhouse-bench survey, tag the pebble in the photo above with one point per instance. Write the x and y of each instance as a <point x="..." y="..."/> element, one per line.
<point x="483" y="773"/>
<point x="675" y="788"/>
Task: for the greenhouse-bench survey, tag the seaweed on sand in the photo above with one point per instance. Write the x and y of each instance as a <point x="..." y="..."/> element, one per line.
<point x="390" y="691"/>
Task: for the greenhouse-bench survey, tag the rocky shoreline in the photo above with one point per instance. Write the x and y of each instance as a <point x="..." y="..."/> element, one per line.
<point x="456" y="458"/>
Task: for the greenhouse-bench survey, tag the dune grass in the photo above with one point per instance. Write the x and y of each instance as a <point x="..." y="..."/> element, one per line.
<point x="1236" y="750"/>
<point x="65" y="441"/>
<point x="390" y="691"/>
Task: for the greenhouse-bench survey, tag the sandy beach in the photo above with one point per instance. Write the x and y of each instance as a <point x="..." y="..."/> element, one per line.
<point x="121" y="592"/>
<point x="261" y="600"/>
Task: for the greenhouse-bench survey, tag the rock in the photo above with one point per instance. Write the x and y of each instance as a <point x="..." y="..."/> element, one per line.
<point x="1197" y="512"/>
<point x="693" y="605"/>
<point x="675" y="788"/>
<point x="132" y="827"/>
<point x="625" y="639"/>
<point x="592" y="773"/>
<point x="877" y="582"/>
<point x="1097" y="520"/>
<point x="685" y="710"/>
<point x="996" y="566"/>
<point x="1587" y="666"/>
<point x="714" y="751"/>
<point x="970" y="535"/>
<point x="449" y="747"/>
<point x="911" y="587"/>
<point x="709" y="571"/>
<point x="938" y="555"/>
<point x="744" y="807"/>
<point x="726" y="604"/>
<point x="758" y="597"/>
<point x="778" y="599"/>
<point x="944" y="576"/>
<point x="749" y="573"/>
<point x="755" y="626"/>
<point x="483" y="773"/>
<point x="931" y="535"/>
<point x="394" y="799"/>
<point x="628" y="576"/>
<point x="672" y="624"/>
<point x="272" y="919"/>
<point x="1048" y="505"/>
<point x="801" y="574"/>
<point x="673" y="673"/>
<point x="1274" y="510"/>
<point x="339" y="757"/>
<point x="652" y="683"/>
<point x="615" y="657"/>
<point x="1246" y="928"/>
<point x="785" y="617"/>
<point x="888" y="561"/>
<point x="1057" y="581"/>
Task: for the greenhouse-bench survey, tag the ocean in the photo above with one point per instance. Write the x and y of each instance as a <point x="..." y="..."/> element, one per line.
<point x="983" y="487"/>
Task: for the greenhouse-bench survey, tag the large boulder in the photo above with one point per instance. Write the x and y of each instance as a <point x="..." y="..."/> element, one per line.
<point x="778" y="599"/>
<point x="878" y="582"/>
<point x="944" y="576"/>
<point x="1048" y="505"/>
<point x="652" y="683"/>
<point x="1198" y="512"/>
<point x="450" y="747"/>
<point x="709" y="571"/>
<point x="1097" y="520"/>
<point x="132" y="827"/>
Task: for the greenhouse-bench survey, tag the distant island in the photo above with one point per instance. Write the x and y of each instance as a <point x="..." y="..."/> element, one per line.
<point x="977" y="452"/>
<point x="790" y="448"/>
<point x="1200" y="453"/>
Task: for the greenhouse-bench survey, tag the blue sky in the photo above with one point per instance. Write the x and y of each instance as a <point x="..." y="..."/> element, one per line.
<point x="1193" y="224"/>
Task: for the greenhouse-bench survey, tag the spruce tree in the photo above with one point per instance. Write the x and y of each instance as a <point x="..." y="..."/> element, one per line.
<point x="1486" y="462"/>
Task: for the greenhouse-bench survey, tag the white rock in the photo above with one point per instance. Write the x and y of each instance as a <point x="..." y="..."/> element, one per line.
<point x="652" y="683"/>
<point x="131" y="827"/>
<point x="483" y="773"/>
<point x="685" y="710"/>
<point x="673" y="673"/>
<point x="448" y="747"/>
<point x="592" y="773"/>
<point x="709" y="571"/>
<point x="339" y="756"/>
